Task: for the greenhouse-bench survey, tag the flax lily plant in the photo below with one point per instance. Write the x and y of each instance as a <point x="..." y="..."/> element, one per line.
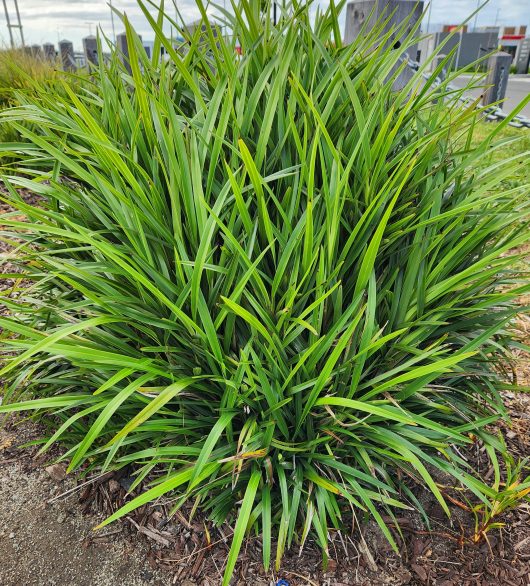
<point x="270" y="282"/>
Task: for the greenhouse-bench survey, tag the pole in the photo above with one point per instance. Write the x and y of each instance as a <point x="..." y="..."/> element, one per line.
<point x="429" y="17"/>
<point x="497" y="16"/>
<point x="476" y="17"/>
<point x="19" y="23"/>
<point x="9" y="26"/>
<point x="457" y="63"/>
<point x="112" y="20"/>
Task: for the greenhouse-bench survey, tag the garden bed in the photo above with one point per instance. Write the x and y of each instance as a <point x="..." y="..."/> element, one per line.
<point x="43" y="542"/>
<point x="46" y="536"/>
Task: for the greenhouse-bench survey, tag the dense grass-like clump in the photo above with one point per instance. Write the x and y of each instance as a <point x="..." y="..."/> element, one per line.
<point x="22" y="75"/>
<point x="20" y="71"/>
<point x="272" y="283"/>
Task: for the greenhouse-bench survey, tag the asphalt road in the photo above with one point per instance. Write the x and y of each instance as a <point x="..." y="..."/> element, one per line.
<point x="518" y="88"/>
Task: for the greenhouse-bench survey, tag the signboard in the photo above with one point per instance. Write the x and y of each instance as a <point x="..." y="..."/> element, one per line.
<point x="449" y="28"/>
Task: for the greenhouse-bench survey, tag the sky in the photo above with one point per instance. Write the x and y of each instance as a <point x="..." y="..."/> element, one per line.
<point x="51" y="20"/>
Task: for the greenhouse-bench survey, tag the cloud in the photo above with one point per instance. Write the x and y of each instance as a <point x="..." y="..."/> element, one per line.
<point x="46" y="20"/>
<point x="502" y="11"/>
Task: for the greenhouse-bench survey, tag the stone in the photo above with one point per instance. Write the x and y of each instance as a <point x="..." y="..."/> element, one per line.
<point x="114" y="486"/>
<point x="57" y="472"/>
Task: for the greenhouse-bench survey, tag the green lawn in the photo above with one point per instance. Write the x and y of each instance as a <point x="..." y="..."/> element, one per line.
<point x="518" y="142"/>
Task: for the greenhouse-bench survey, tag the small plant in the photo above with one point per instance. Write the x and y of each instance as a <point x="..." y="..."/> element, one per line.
<point x="272" y="283"/>
<point x="499" y="498"/>
<point x="506" y="496"/>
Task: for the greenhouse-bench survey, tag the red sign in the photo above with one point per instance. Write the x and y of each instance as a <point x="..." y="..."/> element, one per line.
<point x="512" y="37"/>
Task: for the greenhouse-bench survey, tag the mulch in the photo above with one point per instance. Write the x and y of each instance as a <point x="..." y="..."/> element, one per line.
<point x="189" y="551"/>
<point x="8" y="245"/>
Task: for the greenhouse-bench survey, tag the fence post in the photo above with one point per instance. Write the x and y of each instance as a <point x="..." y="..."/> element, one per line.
<point x="90" y="48"/>
<point x="497" y="79"/>
<point x="435" y="64"/>
<point x="49" y="51"/>
<point x="123" y="50"/>
<point x="36" y="51"/>
<point x="66" y="50"/>
<point x="369" y="13"/>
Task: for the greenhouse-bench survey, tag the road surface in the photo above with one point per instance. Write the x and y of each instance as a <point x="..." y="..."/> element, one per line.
<point x="518" y="89"/>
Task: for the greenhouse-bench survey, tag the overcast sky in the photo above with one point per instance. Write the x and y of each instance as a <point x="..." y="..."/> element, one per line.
<point x="49" y="20"/>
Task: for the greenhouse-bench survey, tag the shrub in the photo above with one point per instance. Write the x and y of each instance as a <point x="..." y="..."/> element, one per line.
<point x="24" y="76"/>
<point x="270" y="282"/>
<point x="20" y="72"/>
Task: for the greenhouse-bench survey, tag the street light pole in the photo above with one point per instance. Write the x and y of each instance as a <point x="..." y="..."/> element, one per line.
<point x="457" y="64"/>
<point x="112" y="20"/>
<point x="476" y="16"/>
<point x="429" y="16"/>
<point x="19" y="26"/>
<point x="11" y="26"/>
<point x="497" y="16"/>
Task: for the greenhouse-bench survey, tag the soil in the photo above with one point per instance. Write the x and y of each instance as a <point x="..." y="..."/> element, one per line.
<point x="46" y="521"/>
<point x="43" y="543"/>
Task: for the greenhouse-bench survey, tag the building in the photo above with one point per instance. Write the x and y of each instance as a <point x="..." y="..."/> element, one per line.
<point x="470" y="46"/>
<point x="449" y="28"/>
<point x="192" y="27"/>
<point x="511" y="38"/>
<point x="467" y="47"/>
